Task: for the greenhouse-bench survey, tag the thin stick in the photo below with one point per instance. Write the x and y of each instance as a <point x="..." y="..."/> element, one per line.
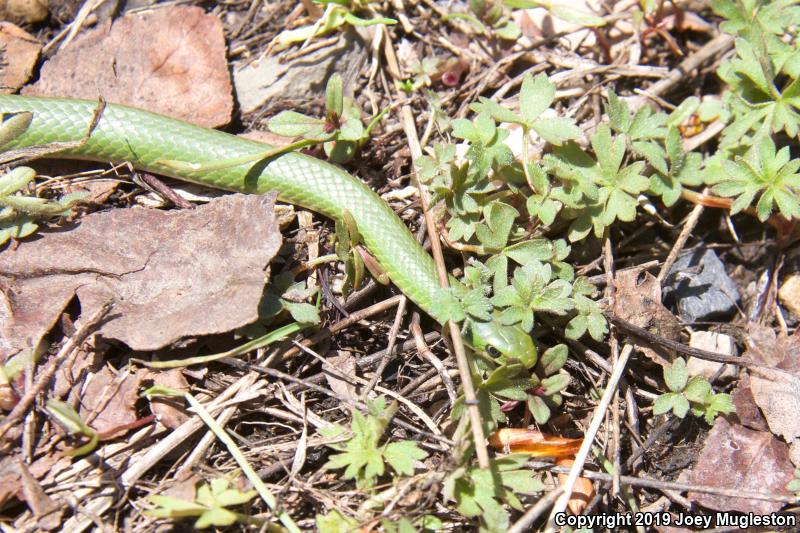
<point x="460" y="352"/>
<point x="52" y="366"/>
<point x="535" y="511"/>
<point x="398" y="321"/>
<point x="588" y="439"/>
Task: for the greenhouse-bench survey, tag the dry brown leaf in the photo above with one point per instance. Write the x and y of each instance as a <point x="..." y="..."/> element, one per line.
<point x="638" y="300"/>
<point x="776" y="392"/>
<point x="747" y="412"/>
<point x="173" y="275"/>
<point x="170" y="61"/>
<point x="20" y="51"/>
<point x="107" y="403"/>
<point x="734" y="457"/>
<point x="582" y="491"/>
<point x="344" y="363"/>
<point x="46" y="512"/>
<point x="533" y="442"/>
<point x="171" y="412"/>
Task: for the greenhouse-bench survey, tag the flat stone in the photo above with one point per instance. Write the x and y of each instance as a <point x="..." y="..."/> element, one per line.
<point x="699" y="288"/>
<point x="711" y="342"/>
<point x="273" y="83"/>
<point x="789" y="294"/>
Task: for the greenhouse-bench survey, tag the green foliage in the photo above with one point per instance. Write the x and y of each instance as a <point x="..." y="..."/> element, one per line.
<point x="482" y="493"/>
<point x="693" y="394"/>
<point x="284" y="293"/>
<point x="549" y="382"/>
<point x="362" y="456"/>
<point x="763" y="172"/>
<point x="794" y="485"/>
<point x="337" y="13"/>
<point x="597" y="192"/>
<point x="19" y="211"/>
<point x="69" y="419"/>
<point x="341" y="131"/>
<point x="210" y="505"/>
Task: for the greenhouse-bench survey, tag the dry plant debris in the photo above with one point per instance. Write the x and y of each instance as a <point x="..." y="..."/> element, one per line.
<point x="566" y="155"/>
<point x="173" y="274"/>
<point x="169" y="61"/>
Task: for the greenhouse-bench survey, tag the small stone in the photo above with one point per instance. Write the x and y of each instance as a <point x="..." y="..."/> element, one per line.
<point x="699" y="288"/>
<point x="789" y="294"/>
<point x="711" y="342"/>
<point x="271" y="83"/>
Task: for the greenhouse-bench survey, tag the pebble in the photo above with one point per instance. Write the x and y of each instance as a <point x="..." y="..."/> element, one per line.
<point x="699" y="288"/>
<point x="711" y="341"/>
<point x="789" y="294"/>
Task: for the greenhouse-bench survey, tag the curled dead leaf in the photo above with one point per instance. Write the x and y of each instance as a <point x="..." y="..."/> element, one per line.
<point x="535" y="443"/>
<point x="582" y="492"/>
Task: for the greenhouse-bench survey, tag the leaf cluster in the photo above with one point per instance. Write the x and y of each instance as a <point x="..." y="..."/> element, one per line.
<point x="362" y="455"/>
<point x="210" y="505"/>
<point x="337" y="13"/>
<point x="693" y="394"/>
<point x="340" y="131"/>
<point x="482" y="493"/>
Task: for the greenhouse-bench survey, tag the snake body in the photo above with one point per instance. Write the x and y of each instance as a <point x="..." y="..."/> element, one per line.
<point x="147" y="140"/>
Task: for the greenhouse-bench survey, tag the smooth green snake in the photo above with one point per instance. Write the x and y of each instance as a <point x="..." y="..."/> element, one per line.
<point x="149" y="141"/>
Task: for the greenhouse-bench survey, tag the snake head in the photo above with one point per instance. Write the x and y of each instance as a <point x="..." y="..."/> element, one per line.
<point x="498" y="340"/>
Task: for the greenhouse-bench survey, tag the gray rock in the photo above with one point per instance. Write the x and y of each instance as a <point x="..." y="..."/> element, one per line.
<point x="271" y="83"/>
<point x="699" y="288"/>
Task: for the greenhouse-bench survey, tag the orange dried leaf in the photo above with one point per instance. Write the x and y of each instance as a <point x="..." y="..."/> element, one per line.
<point x="535" y="443"/>
<point x="582" y="492"/>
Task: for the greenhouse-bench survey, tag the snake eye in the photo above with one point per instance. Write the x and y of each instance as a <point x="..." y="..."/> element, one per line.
<point x="491" y="350"/>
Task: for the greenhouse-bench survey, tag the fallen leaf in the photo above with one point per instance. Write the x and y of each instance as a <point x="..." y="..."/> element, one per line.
<point x="171" y="412"/>
<point x="737" y="458"/>
<point x="747" y="412"/>
<point x="638" y="300"/>
<point x="582" y="491"/>
<point x="46" y="512"/>
<point x="776" y="392"/>
<point x="533" y="442"/>
<point x="19" y="51"/>
<point x="173" y="275"/>
<point x="108" y="400"/>
<point x="170" y="61"/>
<point x="789" y="294"/>
<point x="344" y="363"/>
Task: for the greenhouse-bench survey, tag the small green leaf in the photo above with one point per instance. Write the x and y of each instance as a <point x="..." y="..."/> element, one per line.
<point x="539" y="409"/>
<point x="676" y="375"/>
<point x="553" y="359"/>
<point x="334" y="98"/>
<point x="535" y="96"/>
<point x="293" y="124"/>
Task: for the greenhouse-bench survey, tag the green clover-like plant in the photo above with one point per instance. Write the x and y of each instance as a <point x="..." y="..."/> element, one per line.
<point x="534" y="288"/>
<point x="362" y="456"/>
<point x="210" y="506"/>
<point x="599" y="191"/>
<point x="481" y="493"/>
<point x="693" y="394"/>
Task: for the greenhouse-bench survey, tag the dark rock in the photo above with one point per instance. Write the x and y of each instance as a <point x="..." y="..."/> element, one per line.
<point x="699" y="289"/>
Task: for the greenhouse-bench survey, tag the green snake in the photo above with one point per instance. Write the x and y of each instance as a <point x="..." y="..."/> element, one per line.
<point x="150" y="141"/>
